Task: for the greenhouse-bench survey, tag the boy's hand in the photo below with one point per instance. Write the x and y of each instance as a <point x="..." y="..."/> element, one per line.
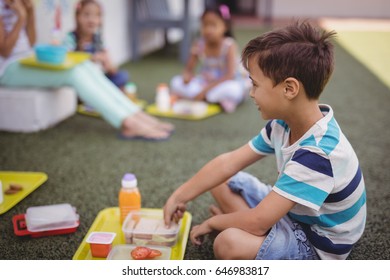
<point x="173" y="211"/>
<point x="197" y="232"/>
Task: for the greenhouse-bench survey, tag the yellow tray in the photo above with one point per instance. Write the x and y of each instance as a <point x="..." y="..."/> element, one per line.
<point x="28" y="180"/>
<point x="108" y="220"/>
<point x="212" y="110"/>
<point x="72" y="59"/>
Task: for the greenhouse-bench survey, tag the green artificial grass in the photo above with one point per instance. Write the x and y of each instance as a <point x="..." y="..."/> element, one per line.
<point x="85" y="160"/>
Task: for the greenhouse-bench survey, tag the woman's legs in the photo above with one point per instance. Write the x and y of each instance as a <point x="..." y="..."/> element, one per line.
<point x="120" y="98"/>
<point x="95" y="90"/>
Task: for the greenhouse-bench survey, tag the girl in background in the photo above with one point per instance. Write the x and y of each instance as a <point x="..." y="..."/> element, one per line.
<point x="219" y="79"/>
<point x="17" y="36"/>
<point x="87" y="38"/>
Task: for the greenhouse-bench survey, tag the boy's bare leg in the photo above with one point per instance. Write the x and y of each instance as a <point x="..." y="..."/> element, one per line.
<point x="227" y="200"/>
<point x="236" y="244"/>
<point x="233" y="243"/>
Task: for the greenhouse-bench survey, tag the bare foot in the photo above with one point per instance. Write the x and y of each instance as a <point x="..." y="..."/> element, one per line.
<point x="214" y="210"/>
<point x="136" y="126"/>
<point x="229" y="106"/>
<point x="157" y="123"/>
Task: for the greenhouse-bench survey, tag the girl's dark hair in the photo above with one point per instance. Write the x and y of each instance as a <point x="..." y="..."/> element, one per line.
<point x="299" y="51"/>
<point x="222" y="11"/>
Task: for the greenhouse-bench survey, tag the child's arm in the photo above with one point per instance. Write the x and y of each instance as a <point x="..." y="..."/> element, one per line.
<point x="30" y="26"/>
<point x="230" y="73"/>
<point x="214" y="173"/>
<point x="103" y="58"/>
<point x="8" y="40"/>
<point x="188" y="72"/>
<point x="257" y="221"/>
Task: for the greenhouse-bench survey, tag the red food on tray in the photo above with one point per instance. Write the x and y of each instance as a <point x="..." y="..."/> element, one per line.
<point x="144" y="253"/>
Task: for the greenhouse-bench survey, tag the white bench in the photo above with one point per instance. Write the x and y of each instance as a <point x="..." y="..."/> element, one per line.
<point x="34" y="109"/>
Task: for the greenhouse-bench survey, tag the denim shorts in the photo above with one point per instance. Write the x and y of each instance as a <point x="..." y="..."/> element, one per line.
<point x="286" y="240"/>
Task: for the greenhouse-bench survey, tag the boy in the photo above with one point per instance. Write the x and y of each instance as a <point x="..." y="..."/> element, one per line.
<point x="317" y="207"/>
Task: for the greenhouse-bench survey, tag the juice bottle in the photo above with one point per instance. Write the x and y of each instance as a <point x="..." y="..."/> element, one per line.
<point x="129" y="196"/>
<point x="163" y="98"/>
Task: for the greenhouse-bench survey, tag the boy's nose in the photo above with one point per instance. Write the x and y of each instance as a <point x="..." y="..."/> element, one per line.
<point x="251" y="94"/>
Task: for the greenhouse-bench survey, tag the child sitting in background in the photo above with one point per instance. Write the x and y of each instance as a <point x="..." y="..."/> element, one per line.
<point x="87" y="37"/>
<point x="219" y="79"/>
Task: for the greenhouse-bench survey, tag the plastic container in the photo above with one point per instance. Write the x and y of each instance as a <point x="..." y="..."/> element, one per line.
<point x="20" y="228"/>
<point x="163" y="98"/>
<point x="191" y="108"/>
<point x="148" y="228"/>
<point x="50" y="53"/>
<point x="101" y="243"/>
<point x="129" y="196"/>
<point x="123" y="252"/>
<point x="51" y="217"/>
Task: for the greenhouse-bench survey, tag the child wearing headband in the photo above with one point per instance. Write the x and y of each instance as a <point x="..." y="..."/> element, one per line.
<point x="219" y="79"/>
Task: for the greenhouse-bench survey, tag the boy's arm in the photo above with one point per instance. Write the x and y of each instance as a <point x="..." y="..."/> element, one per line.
<point x="257" y="221"/>
<point x="214" y="173"/>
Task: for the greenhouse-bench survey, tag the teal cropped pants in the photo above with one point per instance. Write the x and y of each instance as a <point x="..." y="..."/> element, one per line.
<point x="91" y="85"/>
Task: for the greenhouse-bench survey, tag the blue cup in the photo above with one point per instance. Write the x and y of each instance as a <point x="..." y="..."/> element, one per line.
<point x="50" y="53"/>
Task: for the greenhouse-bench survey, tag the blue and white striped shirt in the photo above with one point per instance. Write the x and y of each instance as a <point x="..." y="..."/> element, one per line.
<point x="321" y="173"/>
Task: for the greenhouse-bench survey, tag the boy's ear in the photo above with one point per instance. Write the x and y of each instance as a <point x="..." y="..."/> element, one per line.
<point x="291" y="88"/>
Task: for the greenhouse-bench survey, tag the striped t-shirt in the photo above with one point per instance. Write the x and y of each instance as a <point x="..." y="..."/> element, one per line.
<point x="321" y="173"/>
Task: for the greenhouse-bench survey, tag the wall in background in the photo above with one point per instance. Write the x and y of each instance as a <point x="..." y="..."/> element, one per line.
<point x="329" y="8"/>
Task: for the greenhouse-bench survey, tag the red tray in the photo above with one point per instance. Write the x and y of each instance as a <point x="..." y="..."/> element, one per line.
<point x="20" y="228"/>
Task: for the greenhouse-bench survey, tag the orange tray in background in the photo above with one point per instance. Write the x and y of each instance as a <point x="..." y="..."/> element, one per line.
<point x="108" y="221"/>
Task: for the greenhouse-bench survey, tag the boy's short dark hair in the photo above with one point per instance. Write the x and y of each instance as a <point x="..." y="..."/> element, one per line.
<point x="299" y="51"/>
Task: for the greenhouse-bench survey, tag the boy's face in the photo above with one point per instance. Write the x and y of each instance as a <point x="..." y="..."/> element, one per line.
<point x="267" y="97"/>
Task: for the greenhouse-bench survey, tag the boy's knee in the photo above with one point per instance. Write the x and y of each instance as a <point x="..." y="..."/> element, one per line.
<point x="225" y="245"/>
